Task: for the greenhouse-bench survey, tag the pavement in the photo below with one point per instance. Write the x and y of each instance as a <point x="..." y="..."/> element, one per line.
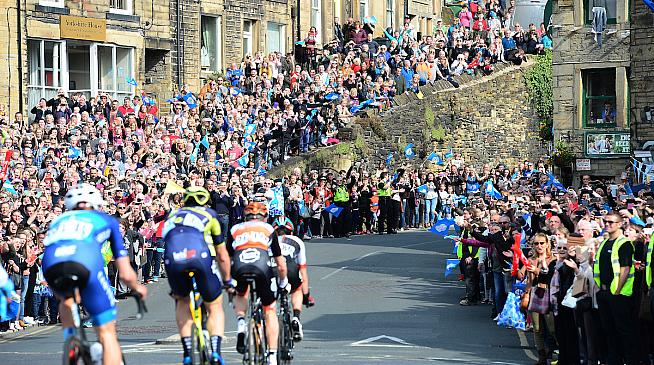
<point x="379" y="300"/>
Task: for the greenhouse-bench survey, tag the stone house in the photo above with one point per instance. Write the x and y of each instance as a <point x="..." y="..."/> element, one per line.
<point x="591" y="84"/>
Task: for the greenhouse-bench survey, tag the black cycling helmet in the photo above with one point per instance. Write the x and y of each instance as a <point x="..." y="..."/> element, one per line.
<point x="196" y="196"/>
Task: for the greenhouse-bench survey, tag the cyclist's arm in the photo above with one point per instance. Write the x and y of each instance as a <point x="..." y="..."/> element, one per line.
<point x="222" y="256"/>
<point x="277" y="255"/>
<point x="301" y="260"/>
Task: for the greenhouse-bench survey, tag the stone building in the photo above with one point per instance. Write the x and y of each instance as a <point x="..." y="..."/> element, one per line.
<point x="591" y="85"/>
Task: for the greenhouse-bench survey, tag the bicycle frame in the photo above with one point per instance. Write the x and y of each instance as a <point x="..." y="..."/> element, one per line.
<point x="286" y="343"/>
<point x="256" y="335"/>
<point x="196" y="313"/>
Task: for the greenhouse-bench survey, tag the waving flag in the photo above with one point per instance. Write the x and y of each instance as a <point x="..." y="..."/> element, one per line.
<point x="422" y="189"/>
<point x="332" y="96"/>
<point x="637" y="221"/>
<point x="356" y="108"/>
<point x="334" y="210"/>
<point x="190" y="100"/>
<point x="235" y="91"/>
<point x="649" y="3"/>
<point x="435" y="158"/>
<point x="460" y="199"/>
<point x="205" y="142"/>
<point x="441" y="227"/>
<point x="553" y="182"/>
<point x="250" y="129"/>
<point x="74" y="152"/>
<point x="261" y="171"/>
<point x="173" y="99"/>
<point x="131" y="81"/>
<point x="449" y="154"/>
<point x="450" y="265"/>
<point x="490" y="189"/>
<point x="408" y="151"/>
<point x="9" y="187"/>
<point x="243" y="160"/>
<point x="389" y="158"/>
<point x="249" y="145"/>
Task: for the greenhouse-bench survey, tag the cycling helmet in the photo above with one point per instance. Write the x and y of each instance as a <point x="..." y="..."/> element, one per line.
<point x="286" y="225"/>
<point x="197" y="194"/>
<point x="84" y="193"/>
<point x="255" y="210"/>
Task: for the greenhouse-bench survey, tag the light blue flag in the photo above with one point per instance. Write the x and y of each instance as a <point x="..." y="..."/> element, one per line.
<point x="450" y="265"/>
<point x="460" y="199"/>
<point x="334" y="210"/>
<point x="194" y="155"/>
<point x="243" y="160"/>
<point x="332" y="96"/>
<point x="249" y="145"/>
<point x="490" y="189"/>
<point x="190" y="100"/>
<point x="74" y="152"/>
<point x="235" y="91"/>
<point x="173" y="99"/>
<point x="261" y="171"/>
<point x="441" y="227"/>
<point x="422" y="189"/>
<point x="408" y="151"/>
<point x="637" y="221"/>
<point x="389" y="158"/>
<point x="356" y="108"/>
<point x="148" y="100"/>
<point x="9" y="187"/>
<point x="553" y="182"/>
<point x="205" y="142"/>
<point x="449" y="154"/>
<point x="250" y="129"/>
<point x="435" y="158"/>
<point x="131" y="81"/>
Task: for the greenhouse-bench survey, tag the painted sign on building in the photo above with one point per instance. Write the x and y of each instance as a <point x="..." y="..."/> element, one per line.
<point x="607" y="144"/>
<point x="89" y="29"/>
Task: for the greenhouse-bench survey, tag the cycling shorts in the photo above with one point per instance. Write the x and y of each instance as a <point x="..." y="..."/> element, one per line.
<point x="97" y="296"/>
<point x="188" y="252"/>
<point x="253" y="263"/>
<point x="292" y="273"/>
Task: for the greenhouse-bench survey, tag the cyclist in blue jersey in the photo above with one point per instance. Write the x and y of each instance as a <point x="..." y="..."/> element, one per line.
<point x="194" y="243"/>
<point x="72" y="247"/>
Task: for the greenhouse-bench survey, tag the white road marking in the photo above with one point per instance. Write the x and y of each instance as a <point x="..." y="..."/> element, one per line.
<point x="367" y="255"/>
<point x="333" y="273"/>
<point x="525" y="344"/>
<point x="369" y="342"/>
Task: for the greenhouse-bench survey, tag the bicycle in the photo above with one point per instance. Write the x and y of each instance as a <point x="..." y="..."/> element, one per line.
<point x="255" y="337"/>
<point x="77" y="348"/>
<point x="200" y="342"/>
<point x="286" y="334"/>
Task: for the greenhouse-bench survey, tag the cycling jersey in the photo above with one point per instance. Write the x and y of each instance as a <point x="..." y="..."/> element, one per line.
<point x="294" y="251"/>
<point x="73" y="246"/>
<point x="251" y="245"/>
<point x="190" y="235"/>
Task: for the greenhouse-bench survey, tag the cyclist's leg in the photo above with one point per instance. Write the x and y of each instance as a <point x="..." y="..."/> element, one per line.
<point x="267" y="290"/>
<point x="208" y="281"/>
<point x="180" y="287"/>
<point x="111" y="353"/>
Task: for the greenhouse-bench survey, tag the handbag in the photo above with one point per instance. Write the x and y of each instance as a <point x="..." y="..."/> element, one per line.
<point x="524" y="301"/>
<point x="579" y="286"/>
<point x="569" y="300"/>
<point x="540" y="300"/>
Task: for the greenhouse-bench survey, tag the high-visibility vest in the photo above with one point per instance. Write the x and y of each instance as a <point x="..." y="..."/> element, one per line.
<point x="341" y="194"/>
<point x="648" y="267"/>
<point x="459" y="247"/>
<point x="384" y="192"/>
<point x="627" y="289"/>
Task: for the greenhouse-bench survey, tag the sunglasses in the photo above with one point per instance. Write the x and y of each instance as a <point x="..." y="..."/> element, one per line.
<point x="562" y="248"/>
<point x="539" y="243"/>
<point x="611" y="222"/>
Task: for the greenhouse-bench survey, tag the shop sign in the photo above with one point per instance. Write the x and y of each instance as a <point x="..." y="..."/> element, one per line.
<point x="607" y="144"/>
<point x="89" y="29"/>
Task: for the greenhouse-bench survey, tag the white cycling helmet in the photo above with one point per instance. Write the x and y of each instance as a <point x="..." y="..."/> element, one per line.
<point x="84" y="193"/>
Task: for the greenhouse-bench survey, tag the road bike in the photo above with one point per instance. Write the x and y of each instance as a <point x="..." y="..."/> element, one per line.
<point x="200" y="342"/>
<point x="77" y="348"/>
<point x="255" y="337"/>
<point x="286" y="333"/>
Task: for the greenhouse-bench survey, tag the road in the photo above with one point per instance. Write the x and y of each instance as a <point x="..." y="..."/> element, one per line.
<point x="380" y="300"/>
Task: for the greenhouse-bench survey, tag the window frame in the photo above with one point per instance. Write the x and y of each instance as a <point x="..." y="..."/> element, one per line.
<point x="248" y="35"/>
<point x="587" y="11"/>
<point x="218" y="32"/>
<point x="61" y="71"/>
<point x="586" y="100"/>
<point x="128" y="11"/>
<point x="282" y="37"/>
<point x="390" y="14"/>
<point x="53" y="3"/>
<point x="365" y="5"/>
<point x="316" y="12"/>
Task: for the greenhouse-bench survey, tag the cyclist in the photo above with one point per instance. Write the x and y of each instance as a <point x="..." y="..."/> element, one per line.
<point x="295" y="253"/>
<point x="251" y="245"/>
<point x="73" y="247"/>
<point x="193" y="238"/>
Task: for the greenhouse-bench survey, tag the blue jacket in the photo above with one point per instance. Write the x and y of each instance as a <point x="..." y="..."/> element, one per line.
<point x="408" y="76"/>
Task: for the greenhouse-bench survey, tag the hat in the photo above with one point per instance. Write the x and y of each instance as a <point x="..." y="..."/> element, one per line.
<point x="278" y="180"/>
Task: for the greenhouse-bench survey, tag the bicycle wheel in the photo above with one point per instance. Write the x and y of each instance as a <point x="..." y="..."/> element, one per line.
<point x="285" y="347"/>
<point x="253" y="340"/>
<point x="205" y="352"/>
<point x="75" y="352"/>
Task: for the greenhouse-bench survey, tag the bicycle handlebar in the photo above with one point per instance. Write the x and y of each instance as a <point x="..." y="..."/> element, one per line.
<point x="140" y="305"/>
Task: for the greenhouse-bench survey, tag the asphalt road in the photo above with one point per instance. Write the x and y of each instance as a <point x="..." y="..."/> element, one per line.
<point x="380" y="300"/>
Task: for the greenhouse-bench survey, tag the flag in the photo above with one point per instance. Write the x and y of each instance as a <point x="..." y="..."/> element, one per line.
<point x="249" y="145"/>
<point x="131" y="81"/>
<point x="553" y="182"/>
<point x="441" y="227"/>
<point x="356" y="108"/>
<point x="636" y="188"/>
<point x="422" y="189"/>
<point x="190" y="100"/>
<point x="173" y="99"/>
<point x="205" y="142"/>
<point x="408" y="151"/>
<point x="389" y="158"/>
<point x="9" y="187"/>
<point x="74" y="152"/>
<point x="435" y="158"/>
<point x="334" y="210"/>
<point x="490" y="189"/>
<point x="194" y="155"/>
<point x="449" y="154"/>
<point x="450" y="265"/>
<point x="173" y="188"/>
<point x="250" y="129"/>
<point x="332" y="96"/>
<point x="148" y="100"/>
<point x="637" y="221"/>
<point x="243" y="160"/>
<point x="460" y="199"/>
<point x="649" y="3"/>
<point x="261" y="171"/>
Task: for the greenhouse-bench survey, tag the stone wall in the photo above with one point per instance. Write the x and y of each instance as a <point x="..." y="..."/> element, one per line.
<point x="487" y="120"/>
<point x="642" y="74"/>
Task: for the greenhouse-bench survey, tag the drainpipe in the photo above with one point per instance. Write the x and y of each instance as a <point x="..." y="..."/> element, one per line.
<point x="178" y="35"/>
<point x="299" y="14"/>
<point x="19" y="41"/>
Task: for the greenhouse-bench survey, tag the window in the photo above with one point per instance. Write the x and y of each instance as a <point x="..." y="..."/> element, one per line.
<point x="45" y="64"/>
<point x="120" y="7"/>
<point x="114" y="68"/>
<point x="610" y="6"/>
<point x="53" y="3"/>
<point x="248" y="40"/>
<point x="390" y="13"/>
<point x="276" y="38"/>
<point x="316" y="18"/>
<point x="363" y="9"/>
<point x="211" y="47"/>
<point x="599" y="97"/>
